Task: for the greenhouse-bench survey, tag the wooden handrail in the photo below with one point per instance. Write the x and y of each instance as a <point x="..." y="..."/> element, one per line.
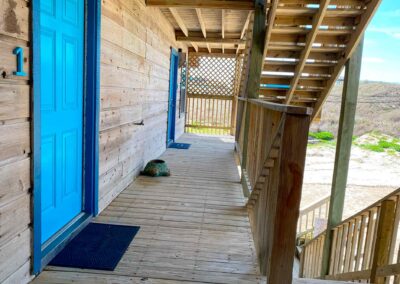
<point x="279" y="107"/>
<point x="365" y="246"/>
<point x="274" y="170"/>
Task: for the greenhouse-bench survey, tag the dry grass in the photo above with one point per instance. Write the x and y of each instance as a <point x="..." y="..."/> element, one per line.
<point x="378" y="109"/>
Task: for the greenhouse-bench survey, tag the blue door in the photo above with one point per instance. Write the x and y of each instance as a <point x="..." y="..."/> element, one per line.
<point x="173" y="86"/>
<point x="61" y="112"/>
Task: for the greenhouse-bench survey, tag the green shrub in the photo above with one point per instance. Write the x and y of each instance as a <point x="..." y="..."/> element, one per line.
<point x="323" y="135"/>
<point x="385" y="144"/>
<point x="372" y="147"/>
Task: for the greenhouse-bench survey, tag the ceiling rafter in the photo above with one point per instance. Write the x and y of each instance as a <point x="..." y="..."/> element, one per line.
<point x="244" y="29"/>
<point x="223" y="27"/>
<point x="195" y="46"/>
<point x="179" y="21"/>
<point x="208" y="47"/>
<point x="209" y="4"/>
<point x="182" y="25"/>
<point x="201" y="21"/>
<point x="310" y="39"/>
<point x="208" y="40"/>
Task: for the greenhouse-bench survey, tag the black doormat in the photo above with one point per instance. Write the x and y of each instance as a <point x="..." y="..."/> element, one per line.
<point x="98" y="246"/>
<point x="179" y="146"/>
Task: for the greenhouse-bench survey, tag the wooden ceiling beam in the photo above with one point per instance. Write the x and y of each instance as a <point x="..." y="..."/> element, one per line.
<point x="209" y="4"/>
<point x="179" y="21"/>
<point x="246" y="25"/>
<point x="208" y="48"/>
<point x="357" y="35"/>
<point x="198" y="39"/>
<point x="223" y="27"/>
<point x="244" y="29"/>
<point x="310" y="39"/>
<point x="195" y="46"/>
<point x="201" y="21"/>
<point x="205" y="51"/>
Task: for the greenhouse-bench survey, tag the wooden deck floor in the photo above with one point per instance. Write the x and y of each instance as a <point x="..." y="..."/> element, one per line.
<point x="194" y="227"/>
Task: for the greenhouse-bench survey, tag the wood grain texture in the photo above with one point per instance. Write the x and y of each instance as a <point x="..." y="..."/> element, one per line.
<point x="15" y="146"/>
<point x="135" y="56"/>
<point x="194" y="225"/>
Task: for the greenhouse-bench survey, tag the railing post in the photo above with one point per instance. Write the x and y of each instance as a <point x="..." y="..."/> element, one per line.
<point x="282" y="218"/>
<point x="343" y="150"/>
<point x="256" y="60"/>
<point x="383" y="239"/>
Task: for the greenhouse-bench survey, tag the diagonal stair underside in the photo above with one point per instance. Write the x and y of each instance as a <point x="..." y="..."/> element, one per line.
<point x="307" y="44"/>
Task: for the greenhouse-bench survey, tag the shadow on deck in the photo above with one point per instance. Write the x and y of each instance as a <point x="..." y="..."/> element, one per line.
<point x="194" y="226"/>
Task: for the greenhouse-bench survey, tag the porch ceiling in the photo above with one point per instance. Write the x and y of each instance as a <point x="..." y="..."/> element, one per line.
<point x="307" y="42"/>
<point x="208" y="26"/>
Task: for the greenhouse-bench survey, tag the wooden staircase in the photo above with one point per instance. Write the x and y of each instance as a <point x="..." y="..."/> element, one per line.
<point x="307" y="44"/>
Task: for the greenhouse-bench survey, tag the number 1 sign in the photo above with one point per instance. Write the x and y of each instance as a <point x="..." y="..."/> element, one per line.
<point x="19" y="52"/>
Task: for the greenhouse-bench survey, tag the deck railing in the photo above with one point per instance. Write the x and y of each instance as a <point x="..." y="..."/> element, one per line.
<point x="312" y="220"/>
<point x="273" y="152"/>
<point x="365" y="247"/>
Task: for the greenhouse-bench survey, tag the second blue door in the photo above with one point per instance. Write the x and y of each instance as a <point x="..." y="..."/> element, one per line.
<point x="61" y="72"/>
<point x="173" y="86"/>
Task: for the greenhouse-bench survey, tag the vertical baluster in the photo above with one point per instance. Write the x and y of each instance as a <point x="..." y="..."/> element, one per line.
<point x="356" y="235"/>
<point x="393" y="245"/>
<point x="343" y="247"/>
<point x="333" y="252"/>
<point x="337" y="250"/>
<point x="360" y="243"/>
<point x="397" y="277"/>
<point x="349" y="245"/>
<point x="369" y="239"/>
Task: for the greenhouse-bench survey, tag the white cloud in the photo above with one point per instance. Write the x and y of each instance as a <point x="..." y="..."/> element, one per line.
<point x="394" y="13"/>
<point x="373" y="59"/>
<point x="392" y="32"/>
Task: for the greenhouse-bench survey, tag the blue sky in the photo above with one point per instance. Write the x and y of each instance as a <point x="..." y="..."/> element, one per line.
<point x="381" y="57"/>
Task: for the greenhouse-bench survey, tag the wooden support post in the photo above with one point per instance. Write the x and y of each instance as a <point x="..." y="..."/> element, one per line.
<point x="383" y="239"/>
<point x="343" y="150"/>
<point x="256" y="60"/>
<point x="283" y="218"/>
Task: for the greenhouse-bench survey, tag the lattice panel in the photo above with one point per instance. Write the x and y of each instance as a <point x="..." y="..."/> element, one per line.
<point x="212" y="84"/>
<point x="211" y="75"/>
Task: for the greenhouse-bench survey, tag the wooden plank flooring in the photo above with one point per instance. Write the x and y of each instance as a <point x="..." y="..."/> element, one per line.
<point x="194" y="226"/>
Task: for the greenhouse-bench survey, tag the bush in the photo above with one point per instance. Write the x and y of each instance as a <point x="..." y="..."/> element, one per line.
<point x="323" y="135"/>
<point x="389" y="145"/>
<point x="372" y="147"/>
<point x="385" y="144"/>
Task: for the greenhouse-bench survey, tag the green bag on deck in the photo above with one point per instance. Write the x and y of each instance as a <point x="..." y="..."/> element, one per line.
<point x="156" y="168"/>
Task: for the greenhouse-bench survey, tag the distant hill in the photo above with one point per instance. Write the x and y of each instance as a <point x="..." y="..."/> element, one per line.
<point x="378" y="109"/>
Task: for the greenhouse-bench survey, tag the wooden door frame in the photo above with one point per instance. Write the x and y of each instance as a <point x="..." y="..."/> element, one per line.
<point x="42" y="254"/>
<point x="173" y="79"/>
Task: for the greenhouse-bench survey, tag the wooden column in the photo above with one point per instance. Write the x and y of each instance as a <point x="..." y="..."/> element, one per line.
<point x="343" y="149"/>
<point x="282" y="217"/>
<point x="256" y="60"/>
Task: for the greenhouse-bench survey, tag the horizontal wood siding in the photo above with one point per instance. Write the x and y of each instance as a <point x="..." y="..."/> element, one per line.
<point x="135" y="50"/>
<point x="15" y="148"/>
<point x="135" y="59"/>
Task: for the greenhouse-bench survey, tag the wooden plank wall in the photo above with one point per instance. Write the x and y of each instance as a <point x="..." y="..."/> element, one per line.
<point x="135" y="49"/>
<point x="135" y="59"/>
<point x="15" y="233"/>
